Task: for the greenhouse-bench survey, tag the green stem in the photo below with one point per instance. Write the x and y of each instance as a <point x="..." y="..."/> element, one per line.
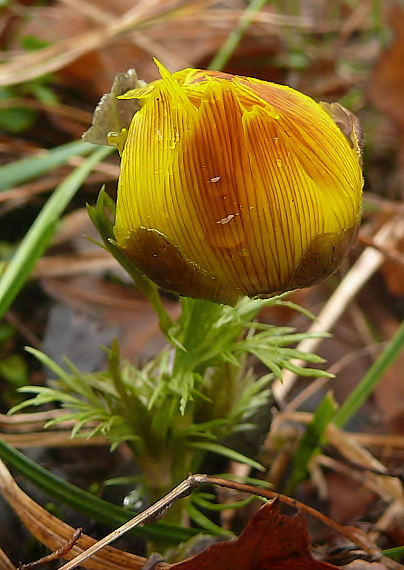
<point x="161" y="474"/>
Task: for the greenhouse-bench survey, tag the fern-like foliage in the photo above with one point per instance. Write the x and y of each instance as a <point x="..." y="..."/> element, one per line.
<point x="182" y="403"/>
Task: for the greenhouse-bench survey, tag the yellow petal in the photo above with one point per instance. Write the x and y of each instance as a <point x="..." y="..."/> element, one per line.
<point x="232" y="186"/>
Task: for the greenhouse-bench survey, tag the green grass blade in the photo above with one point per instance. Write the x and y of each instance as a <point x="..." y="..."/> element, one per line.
<point x="395" y="552"/>
<point x="93" y="507"/>
<point x="37" y="239"/>
<point x="308" y="444"/>
<point x="226" y="452"/>
<point x="233" y="40"/>
<point x="26" y="169"/>
<point x="368" y="383"/>
<point x="205" y="523"/>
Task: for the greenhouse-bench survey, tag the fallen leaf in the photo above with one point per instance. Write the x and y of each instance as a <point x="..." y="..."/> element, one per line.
<point x="110" y="308"/>
<point x="269" y="541"/>
<point x="5" y="563"/>
<point x="90" y="42"/>
<point x="393" y="271"/>
<point x="54" y="533"/>
<point x="386" y="84"/>
<point x="364" y="565"/>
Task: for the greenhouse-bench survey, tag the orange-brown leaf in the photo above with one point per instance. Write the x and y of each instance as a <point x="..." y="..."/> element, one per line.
<point x="270" y="541"/>
<point x="386" y="85"/>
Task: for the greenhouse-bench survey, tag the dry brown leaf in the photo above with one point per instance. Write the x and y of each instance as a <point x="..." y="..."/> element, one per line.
<point x="69" y="49"/>
<point x="270" y="541"/>
<point x="365" y="266"/>
<point x="364" y="565"/>
<point x="386" y="441"/>
<point x="349" y="499"/>
<point x="389" y="488"/>
<point x="54" y="533"/>
<point x="389" y="394"/>
<point x="115" y="307"/>
<point x="70" y="264"/>
<point x="5" y="562"/>
<point x="22" y="423"/>
<point x="393" y="271"/>
<point x="386" y="83"/>
<point x="50" y="439"/>
<point x="396" y="529"/>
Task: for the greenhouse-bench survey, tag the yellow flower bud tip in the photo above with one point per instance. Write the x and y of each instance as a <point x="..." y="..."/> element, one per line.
<point x="234" y="186"/>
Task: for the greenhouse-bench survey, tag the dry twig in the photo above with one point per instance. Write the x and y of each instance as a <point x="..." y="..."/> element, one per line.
<point x="192" y="481"/>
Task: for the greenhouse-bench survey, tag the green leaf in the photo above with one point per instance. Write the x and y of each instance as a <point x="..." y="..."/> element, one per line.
<point x="234" y="38"/>
<point x="226" y="452"/>
<point x="260" y="483"/>
<point x="395" y="552"/>
<point x="200" y="500"/>
<point x="372" y="377"/>
<point x="91" y="506"/>
<point x="101" y="215"/>
<point x="16" y="119"/>
<point x="49" y="363"/>
<point x="14" y="370"/>
<point x="308" y="444"/>
<point x="39" y="235"/>
<point x="26" y="169"/>
<point x="204" y="522"/>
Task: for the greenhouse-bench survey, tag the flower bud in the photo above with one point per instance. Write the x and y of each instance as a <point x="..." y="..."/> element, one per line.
<point x="233" y="186"/>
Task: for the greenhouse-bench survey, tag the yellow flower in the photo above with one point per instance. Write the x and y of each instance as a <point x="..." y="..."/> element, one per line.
<point x="233" y="186"/>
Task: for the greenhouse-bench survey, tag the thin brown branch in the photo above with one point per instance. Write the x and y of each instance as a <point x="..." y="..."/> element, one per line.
<point x="59" y="553"/>
<point x="186" y="487"/>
